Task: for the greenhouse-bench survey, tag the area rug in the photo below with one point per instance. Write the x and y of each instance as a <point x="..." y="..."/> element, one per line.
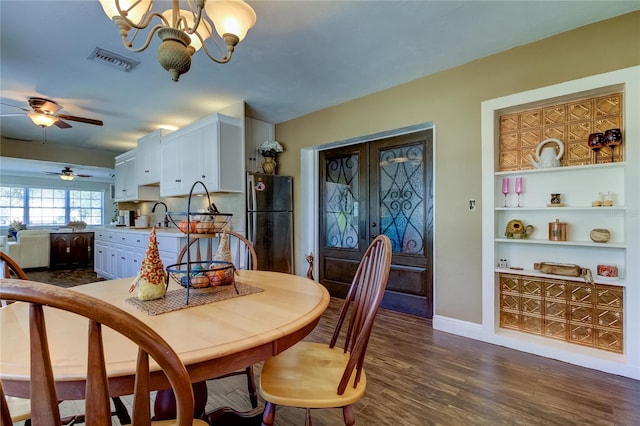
<point x="64" y="277"/>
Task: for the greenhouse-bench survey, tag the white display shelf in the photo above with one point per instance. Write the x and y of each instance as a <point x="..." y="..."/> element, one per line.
<point x="533" y="273"/>
<point x="563" y="209"/>
<point x="563" y="243"/>
<point x="561" y="169"/>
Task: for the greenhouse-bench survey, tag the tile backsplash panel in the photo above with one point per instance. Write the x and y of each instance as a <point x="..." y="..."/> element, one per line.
<point x="570" y="122"/>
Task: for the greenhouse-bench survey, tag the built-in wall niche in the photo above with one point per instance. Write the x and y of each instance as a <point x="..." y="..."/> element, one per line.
<point x="516" y="317"/>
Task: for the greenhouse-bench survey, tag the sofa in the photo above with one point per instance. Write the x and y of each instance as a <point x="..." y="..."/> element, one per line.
<point x="31" y="248"/>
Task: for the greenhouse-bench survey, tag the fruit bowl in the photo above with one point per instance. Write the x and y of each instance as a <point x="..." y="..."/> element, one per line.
<point x="203" y="274"/>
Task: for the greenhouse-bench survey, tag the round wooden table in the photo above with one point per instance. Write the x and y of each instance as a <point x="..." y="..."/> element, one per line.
<point x="211" y="339"/>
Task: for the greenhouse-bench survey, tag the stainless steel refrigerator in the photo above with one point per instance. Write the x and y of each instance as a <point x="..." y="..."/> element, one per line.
<point x="270" y="220"/>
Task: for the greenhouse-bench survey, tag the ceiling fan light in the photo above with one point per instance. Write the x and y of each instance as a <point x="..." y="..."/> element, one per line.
<point x="42" y="120"/>
<point x="66" y="177"/>
<point x="231" y="17"/>
<point x="133" y="10"/>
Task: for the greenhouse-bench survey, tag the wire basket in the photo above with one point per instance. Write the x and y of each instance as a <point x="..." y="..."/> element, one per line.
<point x="200" y="223"/>
<point x="204" y="274"/>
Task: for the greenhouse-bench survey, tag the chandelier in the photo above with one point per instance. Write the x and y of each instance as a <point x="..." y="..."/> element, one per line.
<point x="183" y="29"/>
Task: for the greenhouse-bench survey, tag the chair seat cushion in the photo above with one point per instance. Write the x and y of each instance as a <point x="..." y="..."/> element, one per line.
<point x="19" y="408"/>
<point x="307" y="375"/>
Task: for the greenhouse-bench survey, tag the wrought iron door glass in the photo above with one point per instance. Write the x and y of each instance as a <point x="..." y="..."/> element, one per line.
<point x="341" y="202"/>
<point x="402" y="197"/>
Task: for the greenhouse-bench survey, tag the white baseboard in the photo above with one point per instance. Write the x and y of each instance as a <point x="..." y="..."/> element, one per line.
<point x="548" y="348"/>
<point x="458" y="327"/>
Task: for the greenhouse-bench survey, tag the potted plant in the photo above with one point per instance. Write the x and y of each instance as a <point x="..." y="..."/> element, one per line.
<point x="269" y="150"/>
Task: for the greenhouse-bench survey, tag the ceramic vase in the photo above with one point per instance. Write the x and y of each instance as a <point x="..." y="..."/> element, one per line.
<point x="269" y="165"/>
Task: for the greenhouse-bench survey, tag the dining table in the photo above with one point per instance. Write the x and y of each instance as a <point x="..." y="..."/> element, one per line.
<point x="272" y="312"/>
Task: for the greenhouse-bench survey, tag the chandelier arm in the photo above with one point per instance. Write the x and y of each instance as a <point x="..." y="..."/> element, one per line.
<point x="196" y="23"/>
<point x="224" y="59"/>
<point x="129" y="44"/>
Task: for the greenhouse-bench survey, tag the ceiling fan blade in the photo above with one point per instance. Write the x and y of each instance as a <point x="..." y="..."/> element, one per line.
<point x="61" y="124"/>
<point x="13" y="114"/>
<point x="82" y="176"/>
<point x="15" y="106"/>
<point x="52" y="173"/>
<point x="17" y="139"/>
<point x="80" y="119"/>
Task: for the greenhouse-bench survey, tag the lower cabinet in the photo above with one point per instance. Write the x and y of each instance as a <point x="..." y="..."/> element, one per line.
<point x="572" y="311"/>
<point x="119" y="253"/>
<point x="71" y="249"/>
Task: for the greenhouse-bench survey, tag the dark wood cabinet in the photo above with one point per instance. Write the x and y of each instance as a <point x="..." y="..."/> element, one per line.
<point x="71" y="249"/>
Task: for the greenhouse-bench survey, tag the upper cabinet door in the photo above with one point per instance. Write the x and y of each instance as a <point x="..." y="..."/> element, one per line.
<point x="210" y="151"/>
<point x="148" y="158"/>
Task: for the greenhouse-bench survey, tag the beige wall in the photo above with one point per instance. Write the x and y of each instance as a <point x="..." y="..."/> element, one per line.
<point x="57" y="153"/>
<point x="451" y="100"/>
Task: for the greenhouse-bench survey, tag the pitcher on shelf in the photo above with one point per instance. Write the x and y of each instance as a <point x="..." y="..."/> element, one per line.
<point x="549" y="157"/>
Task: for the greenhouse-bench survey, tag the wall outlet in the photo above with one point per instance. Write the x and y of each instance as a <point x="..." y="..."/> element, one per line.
<point x="472" y="205"/>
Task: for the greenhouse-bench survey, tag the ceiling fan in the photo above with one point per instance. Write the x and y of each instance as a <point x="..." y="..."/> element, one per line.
<point x="43" y="113"/>
<point x="68" y="174"/>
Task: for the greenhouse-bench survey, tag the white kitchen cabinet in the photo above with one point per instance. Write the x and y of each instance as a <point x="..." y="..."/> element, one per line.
<point x="148" y="158"/>
<point x="594" y="325"/>
<point x="256" y="132"/>
<point x="119" y="252"/>
<point x="209" y="150"/>
<point x="126" y="184"/>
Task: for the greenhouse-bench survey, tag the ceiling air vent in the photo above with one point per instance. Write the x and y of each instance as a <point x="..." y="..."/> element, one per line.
<point x="113" y="59"/>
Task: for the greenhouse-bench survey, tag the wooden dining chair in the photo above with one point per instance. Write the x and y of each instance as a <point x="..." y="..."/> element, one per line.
<point x="11" y="269"/>
<point x="43" y="396"/>
<point x="318" y="375"/>
<point x="244" y="257"/>
<point x="20" y="407"/>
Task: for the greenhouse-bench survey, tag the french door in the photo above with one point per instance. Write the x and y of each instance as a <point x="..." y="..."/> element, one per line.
<point x="380" y="187"/>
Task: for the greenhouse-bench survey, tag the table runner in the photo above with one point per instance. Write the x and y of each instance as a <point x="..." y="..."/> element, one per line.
<point x="175" y="299"/>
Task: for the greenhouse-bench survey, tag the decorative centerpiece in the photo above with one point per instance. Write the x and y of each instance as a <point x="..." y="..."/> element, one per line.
<point x="77" y="225"/>
<point x="16" y="226"/>
<point x="269" y="150"/>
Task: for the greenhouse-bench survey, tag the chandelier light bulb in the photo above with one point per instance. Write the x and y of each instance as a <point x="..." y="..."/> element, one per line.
<point x="231" y="17"/>
<point x="134" y="10"/>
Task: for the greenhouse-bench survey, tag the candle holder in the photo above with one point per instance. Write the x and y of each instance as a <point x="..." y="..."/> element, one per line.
<point x="596" y="142"/>
<point x="612" y="138"/>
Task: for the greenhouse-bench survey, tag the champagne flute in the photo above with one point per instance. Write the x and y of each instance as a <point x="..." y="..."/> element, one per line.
<point x="519" y="188"/>
<point x="505" y="189"/>
<point x="612" y="138"/>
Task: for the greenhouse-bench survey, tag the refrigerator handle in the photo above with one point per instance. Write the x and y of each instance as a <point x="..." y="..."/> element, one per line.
<point x="251" y="193"/>
<point x="251" y="202"/>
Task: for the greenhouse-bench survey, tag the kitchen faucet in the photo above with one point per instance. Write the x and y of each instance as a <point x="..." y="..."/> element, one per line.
<point x="166" y="216"/>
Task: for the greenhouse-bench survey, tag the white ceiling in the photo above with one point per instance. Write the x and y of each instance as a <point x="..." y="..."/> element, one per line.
<point x="300" y="57"/>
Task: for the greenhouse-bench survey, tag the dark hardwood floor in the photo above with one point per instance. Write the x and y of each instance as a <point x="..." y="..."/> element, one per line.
<point x="419" y="376"/>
